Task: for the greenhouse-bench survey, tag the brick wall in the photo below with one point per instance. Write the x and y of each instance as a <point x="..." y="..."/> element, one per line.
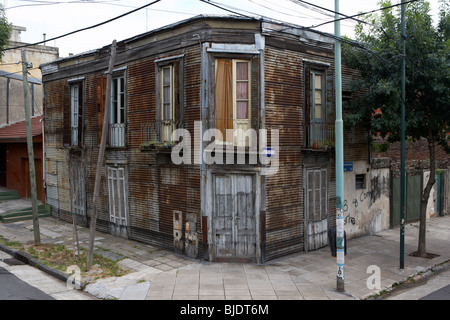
<point x="417" y="155"/>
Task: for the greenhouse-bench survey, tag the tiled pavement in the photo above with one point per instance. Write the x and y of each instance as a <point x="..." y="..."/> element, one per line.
<point x="162" y="275"/>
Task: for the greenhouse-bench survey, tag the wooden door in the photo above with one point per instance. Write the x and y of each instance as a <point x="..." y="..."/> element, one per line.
<point x="234" y="217"/>
<point x="316" y="208"/>
<point x="118" y="204"/>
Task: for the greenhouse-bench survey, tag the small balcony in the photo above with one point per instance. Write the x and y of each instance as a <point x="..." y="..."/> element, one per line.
<point x="157" y="135"/>
<point x="116" y="135"/>
<point x="319" y="136"/>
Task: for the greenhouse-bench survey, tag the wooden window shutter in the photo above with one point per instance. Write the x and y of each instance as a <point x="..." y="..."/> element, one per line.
<point x="101" y="95"/>
<point x="308" y="93"/>
<point x="66" y="117"/>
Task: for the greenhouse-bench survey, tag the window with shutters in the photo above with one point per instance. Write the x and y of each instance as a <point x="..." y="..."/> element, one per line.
<point x="117" y="114"/>
<point x="169" y="100"/>
<point x="319" y="130"/>
<point x="169" y="115"/>
<point x="76" y="113"/>
<point x="233" y="100"/>
<point x="72" y="135"/>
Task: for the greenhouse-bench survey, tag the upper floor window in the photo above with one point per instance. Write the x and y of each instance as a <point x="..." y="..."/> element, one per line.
<point x="169" y="97"/>
<point x="319" y="131"/>
<point x="117" y="115"/>
<point x="76" y="112"/>
<point x="317" y="112"/>
<point x="233" y="100"/>
<point x="167" y="84"/>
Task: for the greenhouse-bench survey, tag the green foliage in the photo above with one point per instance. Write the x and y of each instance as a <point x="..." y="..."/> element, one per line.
<point x="427" y="73"/>
<point x="5" y="30"/>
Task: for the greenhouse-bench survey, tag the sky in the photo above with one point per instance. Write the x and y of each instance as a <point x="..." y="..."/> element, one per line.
<point x="58" y="17"/>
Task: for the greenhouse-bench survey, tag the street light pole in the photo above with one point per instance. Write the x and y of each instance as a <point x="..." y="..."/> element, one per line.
<point x="402" y="144"/>
<point x="339" y="128"/>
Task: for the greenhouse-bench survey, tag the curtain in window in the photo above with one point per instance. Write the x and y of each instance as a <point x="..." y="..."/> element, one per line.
<point x="224" y="97"/>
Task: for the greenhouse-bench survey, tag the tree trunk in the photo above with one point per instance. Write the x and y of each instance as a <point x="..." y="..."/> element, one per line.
<point x="421" y="250"/>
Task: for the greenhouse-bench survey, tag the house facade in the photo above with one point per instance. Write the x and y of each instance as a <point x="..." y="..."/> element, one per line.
<point x="248" y="174"/>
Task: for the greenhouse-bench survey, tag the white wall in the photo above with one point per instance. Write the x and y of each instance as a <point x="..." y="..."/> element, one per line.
<point x="366" y="209"/>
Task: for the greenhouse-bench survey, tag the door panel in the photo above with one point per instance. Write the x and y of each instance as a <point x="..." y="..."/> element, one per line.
<point x="223" y="216"/>
<point x="245" y="217"/>
<point x="234" y="217"/>
<point x="316" y="210"/>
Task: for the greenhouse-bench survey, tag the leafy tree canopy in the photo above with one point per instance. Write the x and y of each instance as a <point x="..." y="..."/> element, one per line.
<point x="5" y="30"/>
<point x="427" y="102"/>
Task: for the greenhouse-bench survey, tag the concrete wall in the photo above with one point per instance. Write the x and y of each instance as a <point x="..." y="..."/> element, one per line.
<point x="432" y="209"/>
<point x="366" y="207"/>
<point x="16" y="110"/>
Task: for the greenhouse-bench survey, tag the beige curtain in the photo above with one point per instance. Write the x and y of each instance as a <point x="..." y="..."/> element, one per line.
<point x="224" y="97"/>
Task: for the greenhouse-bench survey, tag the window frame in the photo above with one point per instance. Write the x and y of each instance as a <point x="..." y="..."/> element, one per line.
<point x="118" y="112"/>
<point x="236" y="122"/>
<point x="78" y="85"/>
<point x="317" y="130"/>
<point x="313" y="90"/>
<point x="165" y="126"/>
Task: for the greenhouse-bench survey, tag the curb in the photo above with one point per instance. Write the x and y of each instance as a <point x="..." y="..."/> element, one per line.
<point x="417" y="279"/>
<point x="28" y="259"/>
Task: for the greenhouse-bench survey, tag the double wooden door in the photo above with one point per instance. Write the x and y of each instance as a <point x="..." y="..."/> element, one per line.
<point x="234" y="223"/>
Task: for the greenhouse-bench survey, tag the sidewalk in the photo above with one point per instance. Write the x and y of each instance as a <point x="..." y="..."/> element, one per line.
<point x="162" y="275"/>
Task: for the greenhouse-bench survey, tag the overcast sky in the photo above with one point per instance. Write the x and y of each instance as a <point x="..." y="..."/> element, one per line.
<point x="58" y="17"/>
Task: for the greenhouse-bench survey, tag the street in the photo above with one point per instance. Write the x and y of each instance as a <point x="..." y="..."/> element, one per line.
<point x="436" y="288"/>
<point x="19" y="281"/>
<point x="12" y="288"/>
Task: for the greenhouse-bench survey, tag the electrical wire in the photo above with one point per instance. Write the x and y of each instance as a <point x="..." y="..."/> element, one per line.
<point x="362" y="14"/>
<point x="83" y="29"/>
<point x="49" y="3"/>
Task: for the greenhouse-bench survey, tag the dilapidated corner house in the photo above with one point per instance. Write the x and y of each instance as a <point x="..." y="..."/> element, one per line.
<point x="198" y="74"/>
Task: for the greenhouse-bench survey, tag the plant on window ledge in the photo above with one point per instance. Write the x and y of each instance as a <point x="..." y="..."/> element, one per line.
<point x="157" y="145"/>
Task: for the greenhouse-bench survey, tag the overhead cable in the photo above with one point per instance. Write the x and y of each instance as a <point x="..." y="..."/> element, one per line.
<point x="83" y="29"/>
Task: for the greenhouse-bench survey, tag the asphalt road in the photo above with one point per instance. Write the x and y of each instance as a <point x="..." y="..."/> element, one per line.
<point x="441" y="294"/>
<point x="436" y="288"/>
<point x="12" y="288"/>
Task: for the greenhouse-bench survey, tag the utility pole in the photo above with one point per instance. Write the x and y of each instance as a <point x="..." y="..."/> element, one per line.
<point x="27" y="106"/>
<point x="402" y="144"/>
<point x="101" y="154"/>
<point x="339" y="127"/>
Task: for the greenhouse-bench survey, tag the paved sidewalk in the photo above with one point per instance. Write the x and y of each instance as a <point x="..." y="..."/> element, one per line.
<point x="162" y="275"/>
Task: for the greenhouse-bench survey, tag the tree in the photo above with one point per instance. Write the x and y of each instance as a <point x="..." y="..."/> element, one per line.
<point x="427" y="102"/>
<point x="5" y="31"/>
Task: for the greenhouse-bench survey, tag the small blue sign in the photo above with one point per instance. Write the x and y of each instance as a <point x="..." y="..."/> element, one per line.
<point x="269" y="152"/>
<point x="348" y="166"/>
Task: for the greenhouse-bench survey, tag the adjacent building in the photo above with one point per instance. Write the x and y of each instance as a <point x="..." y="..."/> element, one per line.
<point x="14" y="170"/>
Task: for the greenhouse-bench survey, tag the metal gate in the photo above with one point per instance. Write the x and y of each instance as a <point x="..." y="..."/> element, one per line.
<point x="234" y="221"/>
<point x="413" y="188"/>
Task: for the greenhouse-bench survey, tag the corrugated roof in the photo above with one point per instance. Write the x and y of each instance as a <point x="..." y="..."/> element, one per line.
<point x="16" y="76"/>
<point x="17" y="132"/>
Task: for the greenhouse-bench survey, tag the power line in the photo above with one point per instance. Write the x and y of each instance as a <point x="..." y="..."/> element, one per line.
<point x="274" y="21"/>
<point x="49" y="3"/>
<point x="362" y="14"/>
<point x="84" y="29"/>
<point x="303" y="3"/>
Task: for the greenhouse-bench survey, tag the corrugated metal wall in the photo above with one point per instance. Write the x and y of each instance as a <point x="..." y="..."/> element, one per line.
<point x="284" y="111"/>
